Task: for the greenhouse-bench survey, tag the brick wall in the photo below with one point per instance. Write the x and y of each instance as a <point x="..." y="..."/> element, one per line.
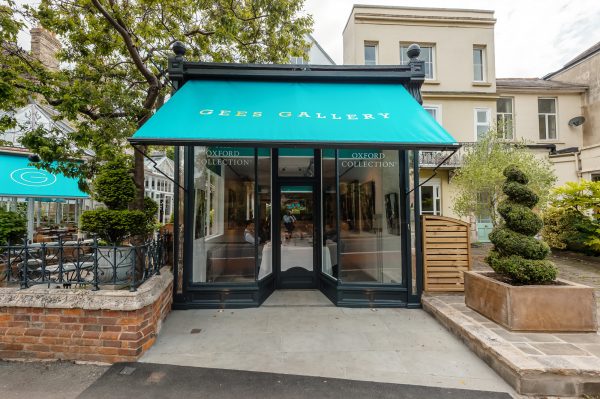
<point x="78" y="333"/>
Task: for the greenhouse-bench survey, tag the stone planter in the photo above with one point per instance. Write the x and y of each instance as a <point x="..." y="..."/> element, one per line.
<point x="122" y="257"/>
<point x="570" y="307"/>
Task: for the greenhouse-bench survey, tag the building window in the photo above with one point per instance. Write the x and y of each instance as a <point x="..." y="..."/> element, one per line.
<point x="479" y="64"/>
<point x="435" y="111"/>
<point x="427" y="55"/>
<point x="370" y="53"/>
<point x="547" y="118"/>
<point x="431" y="199"/>
<point x="482" y="122"/>
<point x="297" y="60"/>
<point x="504" y="118"/>
<point x="595" y="177"/>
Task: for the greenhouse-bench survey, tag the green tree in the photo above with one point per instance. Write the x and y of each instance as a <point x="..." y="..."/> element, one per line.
<point x="573" y="219"/>
<point x="517" y="254"/>
<point x="114" y="65"/>
<point x="480" y="179"/>
<point x="13" y="227"/>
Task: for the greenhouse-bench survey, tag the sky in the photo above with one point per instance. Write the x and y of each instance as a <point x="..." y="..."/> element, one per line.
<point x="532" y="37"/>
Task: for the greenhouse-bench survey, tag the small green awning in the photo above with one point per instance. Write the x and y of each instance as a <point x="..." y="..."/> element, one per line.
<point x="305" y="114"/>
<point x="19" y="179"/>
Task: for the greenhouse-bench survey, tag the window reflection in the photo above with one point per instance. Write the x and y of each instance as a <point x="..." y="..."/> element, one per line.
<point x="224" y="233"/>
<point x="370" y="246"/>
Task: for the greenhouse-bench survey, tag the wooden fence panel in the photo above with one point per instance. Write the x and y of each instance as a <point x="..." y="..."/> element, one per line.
<point x="446" y="253"/>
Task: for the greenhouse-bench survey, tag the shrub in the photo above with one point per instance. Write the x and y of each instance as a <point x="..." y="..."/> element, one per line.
<point x="114" y="225"/>
<point x="13" y="226"/>
<point x="114" y="186"/>
<point x="567" y="228"/>
<point x="517" y="254"/>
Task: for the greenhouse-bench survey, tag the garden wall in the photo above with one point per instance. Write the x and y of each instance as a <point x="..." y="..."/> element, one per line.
<point x="78" y="324"/>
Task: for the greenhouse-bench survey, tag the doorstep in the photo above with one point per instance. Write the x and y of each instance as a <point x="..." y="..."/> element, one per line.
<point x="559" y="364"/>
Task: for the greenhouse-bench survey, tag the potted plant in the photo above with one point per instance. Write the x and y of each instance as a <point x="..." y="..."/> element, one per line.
<point x="523" y="292"/>
<point x="114" y="187"/>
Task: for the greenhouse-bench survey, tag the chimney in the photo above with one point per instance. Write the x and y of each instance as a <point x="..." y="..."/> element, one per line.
<point x="44" y="46"/>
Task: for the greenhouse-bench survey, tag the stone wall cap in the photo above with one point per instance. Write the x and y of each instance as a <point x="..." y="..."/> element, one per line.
<point x="565" y="283"/>
<point x="123" y="300"/>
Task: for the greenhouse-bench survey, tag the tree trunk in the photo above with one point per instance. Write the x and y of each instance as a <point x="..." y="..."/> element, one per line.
<point x="138" y="177"/>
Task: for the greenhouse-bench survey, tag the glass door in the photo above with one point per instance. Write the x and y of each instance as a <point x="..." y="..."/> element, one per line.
<point x="297" y="236"/>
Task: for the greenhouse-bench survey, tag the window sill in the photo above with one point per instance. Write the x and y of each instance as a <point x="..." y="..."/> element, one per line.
<point x="431" y="82"/>
<point x="482" y="84"/>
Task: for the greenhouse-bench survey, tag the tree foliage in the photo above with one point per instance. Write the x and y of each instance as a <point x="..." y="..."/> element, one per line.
<point x="112" y="77"/>
<point x="573" y="219"/>
<point x="13" y="227"/>
<point x="517" y="254"/>
<point x="114" y="187"/>
<point x="480" y="180"/>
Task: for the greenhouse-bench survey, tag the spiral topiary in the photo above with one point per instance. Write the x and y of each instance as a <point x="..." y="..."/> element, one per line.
<point x="517" y="254"/>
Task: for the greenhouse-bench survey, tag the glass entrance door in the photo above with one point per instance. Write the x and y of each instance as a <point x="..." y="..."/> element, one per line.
<point x="297" y="265"/>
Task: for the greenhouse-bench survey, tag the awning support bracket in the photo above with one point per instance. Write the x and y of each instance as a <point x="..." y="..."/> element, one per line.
<point x="434" y="174"/>
<point x="154" y="165"/>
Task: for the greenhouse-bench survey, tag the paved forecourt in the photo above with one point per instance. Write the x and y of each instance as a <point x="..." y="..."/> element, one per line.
<point x="300" y="332"/>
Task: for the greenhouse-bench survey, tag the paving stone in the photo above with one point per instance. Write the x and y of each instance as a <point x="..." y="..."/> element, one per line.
<point x="540" y="337"/>
<point x="527" y="349"/>
<point x="509" y="336"/>
<point x="588" y="338"/>
<point x="559" y="349"/>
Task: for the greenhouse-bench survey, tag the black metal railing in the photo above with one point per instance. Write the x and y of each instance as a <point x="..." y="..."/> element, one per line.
<point x="431" y="159"/>
<point x="82" y="263"/>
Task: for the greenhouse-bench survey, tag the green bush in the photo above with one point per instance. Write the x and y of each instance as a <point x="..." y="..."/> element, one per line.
<point x="114" y="186"/>
<point x="517" y="254"/>
<point x="13" y="227"/>
<point x="521" y="270"/>
<point x="519" y="218"/>
<point x="520" y="194"/>
<point x="567" y="228"/>
<point x="114" y="225"/>
<point x="150" y="209"/>
<point x="510" y="242"/>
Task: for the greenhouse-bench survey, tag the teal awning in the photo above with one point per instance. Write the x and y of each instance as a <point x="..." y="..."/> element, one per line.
<point x="281" y="113"/>
<point x="19" y="179"/>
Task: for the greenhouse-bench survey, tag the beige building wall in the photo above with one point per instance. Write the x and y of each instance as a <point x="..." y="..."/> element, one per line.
<point x="586" y="72"/>
<point x="452" y="33"/>
<point x="526" y="123"/>
<point x="590" y="162"/>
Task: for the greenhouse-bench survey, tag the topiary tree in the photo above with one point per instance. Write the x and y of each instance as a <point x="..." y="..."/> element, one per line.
<point x="517" y="254"/>
<point x="12" y="227"/>
<point x="114" y="187"/>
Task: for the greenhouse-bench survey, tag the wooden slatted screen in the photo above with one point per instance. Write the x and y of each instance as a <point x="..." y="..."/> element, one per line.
<point x="446" y="253"/>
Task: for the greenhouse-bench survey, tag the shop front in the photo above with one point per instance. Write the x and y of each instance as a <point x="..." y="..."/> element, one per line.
<point x="295" y="178"/>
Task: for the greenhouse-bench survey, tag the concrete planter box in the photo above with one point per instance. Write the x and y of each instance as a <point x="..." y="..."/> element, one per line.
<point x="559" y="308"/>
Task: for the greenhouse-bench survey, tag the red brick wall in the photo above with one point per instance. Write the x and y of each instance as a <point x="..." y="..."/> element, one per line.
<point x="107" y="336"/>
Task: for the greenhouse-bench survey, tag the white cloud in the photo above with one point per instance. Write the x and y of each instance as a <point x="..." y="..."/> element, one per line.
<point x="533" y="37"/>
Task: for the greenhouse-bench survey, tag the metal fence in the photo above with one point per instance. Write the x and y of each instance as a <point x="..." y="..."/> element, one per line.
<point x="82" y="264"/>
<point x="431" y="159"/>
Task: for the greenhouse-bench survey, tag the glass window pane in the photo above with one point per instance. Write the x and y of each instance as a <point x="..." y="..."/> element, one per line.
<point x="329" y="214"/>
<point x="504" y="105"/>
<point x="427" y="199"/>
<point x="477" y="56"/>
<point x="542" y="126"/>
<point x="551" y="126"/>
<point x="296" y="162"/>
<point x="547" y="105"/>
<point x="403" y="56"/>
<point x="508" y="127"/>
<point x="370" y="54"/>
<point x="431" y="111"/>
<point x="264" y="211"/>
<point x="481" y="131"/>
<point x="370" y="245"/>
<point x="224" y="231"/>
<point x="482" y="116"/>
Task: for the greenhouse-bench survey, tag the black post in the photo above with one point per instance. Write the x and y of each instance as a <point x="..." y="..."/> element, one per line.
<point x="95" y="252"/>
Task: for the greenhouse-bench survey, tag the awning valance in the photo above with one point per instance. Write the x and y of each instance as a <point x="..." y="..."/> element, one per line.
<point x="302" y="114"/>
<point x="19" y="179"/>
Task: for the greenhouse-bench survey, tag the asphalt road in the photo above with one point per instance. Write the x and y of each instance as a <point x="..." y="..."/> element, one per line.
<point x="148" y="380"/>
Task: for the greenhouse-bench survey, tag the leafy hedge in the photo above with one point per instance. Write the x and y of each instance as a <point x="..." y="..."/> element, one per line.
<point x="573" y="220"/>
<point x="13" y="227"/>
<point x="115" y="188"/>
<point x="517" y="254"/>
